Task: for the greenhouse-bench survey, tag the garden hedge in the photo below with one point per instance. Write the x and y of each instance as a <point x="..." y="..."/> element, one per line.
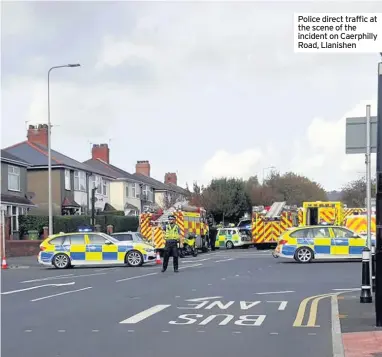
<point x="70" y="224"/>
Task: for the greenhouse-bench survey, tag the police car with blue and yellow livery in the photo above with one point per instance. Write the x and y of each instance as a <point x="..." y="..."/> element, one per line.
<point x="305" y="244"/>
<point x="67" y="250"/>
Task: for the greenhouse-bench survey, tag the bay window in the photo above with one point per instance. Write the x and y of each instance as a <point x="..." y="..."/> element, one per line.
<point x="80" y="181"/>
<point x="13" y="178"/>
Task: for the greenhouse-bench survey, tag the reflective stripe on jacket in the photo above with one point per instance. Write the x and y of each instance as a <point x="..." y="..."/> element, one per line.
<point x="172" y="232"/>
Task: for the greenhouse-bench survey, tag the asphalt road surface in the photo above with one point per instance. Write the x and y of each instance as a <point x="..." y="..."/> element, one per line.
<point x="225" y="303"/>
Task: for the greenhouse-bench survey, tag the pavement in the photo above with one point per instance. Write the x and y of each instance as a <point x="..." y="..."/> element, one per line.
<point x="360" y="336"/>
<point x="220" y="304"/>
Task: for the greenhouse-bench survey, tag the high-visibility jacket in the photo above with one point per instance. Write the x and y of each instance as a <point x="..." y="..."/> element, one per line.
<point x="172" y="232"/>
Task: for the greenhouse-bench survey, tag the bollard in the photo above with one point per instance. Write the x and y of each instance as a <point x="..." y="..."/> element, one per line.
<point x="373" y="268"/>
<point x="366" y="288"/>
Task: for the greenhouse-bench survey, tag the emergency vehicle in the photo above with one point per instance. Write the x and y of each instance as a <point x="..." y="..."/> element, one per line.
<point x="315" y="213"/>
<point x="358" y="223"/>
<point x="190" y="219"/>
<point x="267" y="225"/>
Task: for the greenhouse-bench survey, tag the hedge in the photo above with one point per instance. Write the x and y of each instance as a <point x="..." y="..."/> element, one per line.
<point x="69" y="224"/>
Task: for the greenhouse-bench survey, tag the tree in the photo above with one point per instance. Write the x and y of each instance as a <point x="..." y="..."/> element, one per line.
<point x="170" y="198"/>
<point x="354" y="193"/>
<point x="292" y="188"/>
<point x="226" y="198"/>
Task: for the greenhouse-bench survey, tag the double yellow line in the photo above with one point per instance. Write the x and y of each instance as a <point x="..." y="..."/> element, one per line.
<point x="313" y="310"/>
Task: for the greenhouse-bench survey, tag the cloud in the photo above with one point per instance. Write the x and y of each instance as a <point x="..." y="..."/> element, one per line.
<point x="224" y="163"/>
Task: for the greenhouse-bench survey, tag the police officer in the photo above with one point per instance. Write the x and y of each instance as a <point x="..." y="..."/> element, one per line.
<point x="172" y="238"/>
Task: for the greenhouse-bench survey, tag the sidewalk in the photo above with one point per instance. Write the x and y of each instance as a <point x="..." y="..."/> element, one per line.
<point x="22" y="262"/>
<point x="360" y="336"/>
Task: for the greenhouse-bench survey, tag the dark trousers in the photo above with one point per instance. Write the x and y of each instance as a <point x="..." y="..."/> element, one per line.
<point x="171" y="248"/>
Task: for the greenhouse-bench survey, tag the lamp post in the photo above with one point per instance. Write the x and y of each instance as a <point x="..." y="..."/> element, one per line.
<point x="50" y="151"/>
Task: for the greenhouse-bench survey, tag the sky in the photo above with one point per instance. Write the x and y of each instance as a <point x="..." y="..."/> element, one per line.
<point x="204" y="89"/>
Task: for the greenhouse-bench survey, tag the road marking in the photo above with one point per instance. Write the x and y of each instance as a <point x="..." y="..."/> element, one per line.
<point x="313" y="309"/>
<point x="136" y="277"/>
<point x="195" y="261"/>
<point x="193" y="289"/>
<point x="165" y="331"/>
<point x="49" y="277"/>
<point x="275" y="292"/>
<point x="61" y="277"/>
<point x="144" y="314"/>
<point x="191" y="266"/>
<point x="205" y="298"/>
<point x="282" y="306"/>
<point x="200" y="331"/>
<point x="64" y="293"/>
<point x="274" y="333"/>
<point x="130" y="330"/>
<point x="312" y="334"/>
<point x="28" y="331"/>
<point x="223" y="260"/>
<point x="101" y="269"/>
<point x="95" y="330"/>
<point x="35" y="287"/>
<point x="236" y="332"/>
<point x="223" y="278"/>
<point x="61" y="331"/>
<point x="301" y="310"/>
<point x="338" y="348"/>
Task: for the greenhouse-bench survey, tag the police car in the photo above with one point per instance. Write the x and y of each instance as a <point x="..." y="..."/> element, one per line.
<point x="65" y="250"/>
<point x="305" y="244"/>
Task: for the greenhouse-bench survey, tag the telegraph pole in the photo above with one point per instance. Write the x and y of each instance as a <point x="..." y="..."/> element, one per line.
<point x="378" y="252"/>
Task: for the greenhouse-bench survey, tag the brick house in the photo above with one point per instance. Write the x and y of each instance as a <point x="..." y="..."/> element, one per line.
<point x="71" y="179"/>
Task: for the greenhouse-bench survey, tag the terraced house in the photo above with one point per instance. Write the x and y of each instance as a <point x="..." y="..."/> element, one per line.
<point x="72" y="180"/>
<point x="15" y="198"/>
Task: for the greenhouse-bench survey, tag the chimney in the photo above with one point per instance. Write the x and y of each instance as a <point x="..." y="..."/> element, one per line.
<point x="102" y="152"/>
<point x="143" y="168"/>
<point x="38" y="134"/>
<point x="171" y="177"/>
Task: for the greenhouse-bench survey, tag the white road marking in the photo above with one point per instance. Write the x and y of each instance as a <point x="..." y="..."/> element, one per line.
<point x="35" y="287"/>
<point x="191" y="266"/>
<point x="193" y="289"/>
<point x="135" y="277"/>
<point x="95" y="330"/>
<point x="49" y="277"/>
<point x="275" y="292"/>
<point x="237" y="275"/>
<point x="236" y="332"/>
<point x="223" y="278"/>
<point x="130" y="330"/>
<point x="61" y="331"/>
<point x="205" y="298"/>
<point x="28" y="331"/>
<point x="209" y="284"/>
<point x="101" y="269"/>
<point x="166" y="331"/>
<point x="282" y="306"/>
<point x="144" y="314"/>
<point x="312" y="334"/>
<point x="223" y="260"/>
<point x="353" y="289"/>
<point x="200" y="331"/>
<point x="195" y="261"/>
<point x="62" y="277"/>
<point x="177" y="296"/>
<point x="274" y="333"/>
<point x="59" y="294"/>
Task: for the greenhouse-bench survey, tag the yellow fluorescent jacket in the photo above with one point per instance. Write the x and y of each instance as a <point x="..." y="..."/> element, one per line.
<point x="172" y="232"/>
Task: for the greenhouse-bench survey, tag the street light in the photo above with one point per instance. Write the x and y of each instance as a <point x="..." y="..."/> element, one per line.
<point x="50" y="204"/>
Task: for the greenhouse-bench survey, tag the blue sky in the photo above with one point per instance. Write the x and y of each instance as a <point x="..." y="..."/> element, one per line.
<point x="203" y="89"/>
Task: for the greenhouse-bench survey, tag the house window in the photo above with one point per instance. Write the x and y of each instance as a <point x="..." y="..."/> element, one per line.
<point x="13" y="178"/>
<point x="145" y="192"/>
<point x="79" y="181"/>
<point x="104" y="187"/>
<point x="67" y="180"/>
<point x="134" y="190"/>
<point x="127" y="190"/>
<point x="13" y="212"/>
<point x="151" y="194"/>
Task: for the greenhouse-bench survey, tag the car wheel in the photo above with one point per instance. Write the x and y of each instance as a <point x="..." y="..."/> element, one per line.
<point x="229" y="245"/>
<point x="303" y="255"/>
<point x="134" y="258"/>
<point x="61" y="261"/>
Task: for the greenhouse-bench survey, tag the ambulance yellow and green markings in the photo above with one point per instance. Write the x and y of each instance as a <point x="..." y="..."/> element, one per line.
<point x="77" y="249"/>
<point x="229" y="238"/>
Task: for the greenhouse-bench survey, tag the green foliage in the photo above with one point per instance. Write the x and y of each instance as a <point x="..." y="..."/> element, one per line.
<point x="354" y="193"/>
<point x="114" y="213"/>
<point x="70" y="224"/>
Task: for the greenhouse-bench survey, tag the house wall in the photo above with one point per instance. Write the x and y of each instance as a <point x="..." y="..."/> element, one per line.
<point x="4" y="180"/>
<point x="37" y="182"/>
<point x="117" y="195"/>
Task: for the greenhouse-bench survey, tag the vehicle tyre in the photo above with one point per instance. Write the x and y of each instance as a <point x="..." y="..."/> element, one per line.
<point x="304" y="255"/>
<point x="61" y="261"/>
<point x="229" y="245"/>
<point x="195" y="252"/>
<point x="134" y="258"/>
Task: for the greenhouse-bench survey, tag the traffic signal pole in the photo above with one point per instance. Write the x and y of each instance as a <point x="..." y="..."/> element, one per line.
<point x="378" y="252"/>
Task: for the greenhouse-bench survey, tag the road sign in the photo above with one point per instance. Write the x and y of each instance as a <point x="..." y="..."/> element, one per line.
<point x="356" y="135"/>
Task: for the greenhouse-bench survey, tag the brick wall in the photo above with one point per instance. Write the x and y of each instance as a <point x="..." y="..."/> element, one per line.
<point x="22" y="248"/>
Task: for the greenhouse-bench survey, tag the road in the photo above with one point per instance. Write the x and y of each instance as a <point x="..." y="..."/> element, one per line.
<point x="219" y="304"/>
